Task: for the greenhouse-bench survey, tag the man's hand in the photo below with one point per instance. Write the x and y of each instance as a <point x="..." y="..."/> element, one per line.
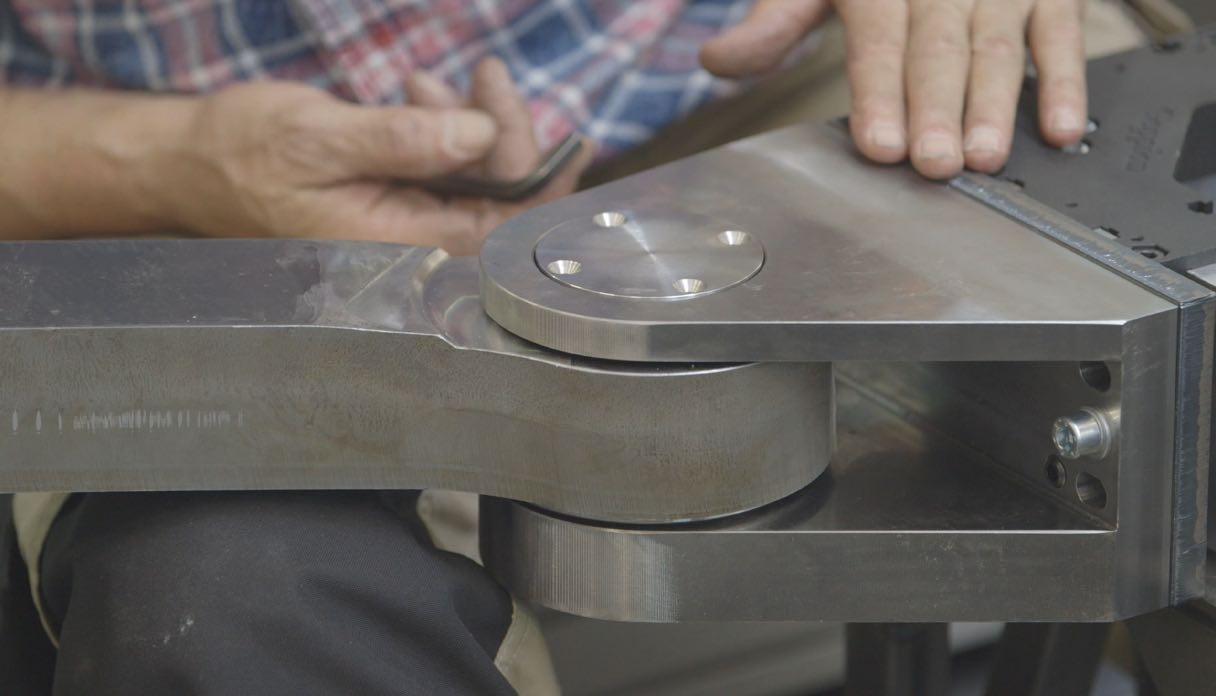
<point x="934" y="80"/>
<point x="281" y="159"/>
<point x="267" y="159"/>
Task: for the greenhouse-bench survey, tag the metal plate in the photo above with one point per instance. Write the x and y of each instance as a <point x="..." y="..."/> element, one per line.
<point x="907" y="525"/>
<point x="648" y="255"/>
<point x="277" y="364"/>
<point x="861" y="263"/>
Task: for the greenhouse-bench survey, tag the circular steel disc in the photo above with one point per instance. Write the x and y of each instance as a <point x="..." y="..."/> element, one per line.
<point x="649" y="256"/>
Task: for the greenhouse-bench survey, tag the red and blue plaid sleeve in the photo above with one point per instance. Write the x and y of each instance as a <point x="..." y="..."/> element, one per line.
<point x="614" y="70"/>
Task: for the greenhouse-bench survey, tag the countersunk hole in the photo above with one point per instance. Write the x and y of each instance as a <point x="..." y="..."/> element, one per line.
<point x="733" y="238"/>
<point x="609" y="218"/>
<point x="1096" y="375"/>
<point x="1204" y="207"/>
<point x="1151" y="251"/>
<point x="689" y="286"/>
<point x="1081" y="147"/>
<point x="564" y="267"/>
<point x="1056" y="473"/>
<point x="1090" y="490"/>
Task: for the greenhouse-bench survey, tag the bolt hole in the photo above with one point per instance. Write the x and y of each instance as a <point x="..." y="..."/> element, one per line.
<point x="1081" y="147"/>
<point x="1057" y="474"/>
<point x="1090" y="490"/>
<point x="689" y="286"/>
<point x="734" y="238"/>
<point x="1204" y="207"/>
<point x="1096" y="375"/>
<point x="1151" y="251"/>
<point x="564" y="267"/>
<point x="609" y="219"/>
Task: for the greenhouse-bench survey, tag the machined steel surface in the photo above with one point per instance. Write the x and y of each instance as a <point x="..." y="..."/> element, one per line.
<point x="936" y="507"/>
<point x="860" y="263"/>
<point x="246" y="364"/>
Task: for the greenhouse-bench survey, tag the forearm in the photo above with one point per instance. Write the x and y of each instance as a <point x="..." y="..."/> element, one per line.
<point x="80" y="162"/>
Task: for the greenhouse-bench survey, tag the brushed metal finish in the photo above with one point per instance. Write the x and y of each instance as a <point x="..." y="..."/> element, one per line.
<point x="936" y="508"/>
<point x="907" y="525"/>
<point x="648" y="256"/>
<point x="246" y="364"/>
<point x="861" y="263"/>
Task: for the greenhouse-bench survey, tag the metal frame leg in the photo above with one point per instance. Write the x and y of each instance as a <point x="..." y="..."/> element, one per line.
<point x="1048" y="659"/>
<point x="897" y="659"/>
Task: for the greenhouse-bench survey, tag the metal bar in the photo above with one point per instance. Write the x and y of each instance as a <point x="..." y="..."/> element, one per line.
<point x="897" y="659"/>
<point x="1048" y="659"/>
<point x="250" y="364"/>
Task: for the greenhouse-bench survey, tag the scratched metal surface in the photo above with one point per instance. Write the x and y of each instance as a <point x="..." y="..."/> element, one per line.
<point x="246" y="364"/>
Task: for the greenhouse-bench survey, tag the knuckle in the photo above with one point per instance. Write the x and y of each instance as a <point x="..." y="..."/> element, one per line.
<point x="941" y="44"/>
<point x="998" y="47"/>
<point x="409" y="134"/>
<point x="1063" y="85"/>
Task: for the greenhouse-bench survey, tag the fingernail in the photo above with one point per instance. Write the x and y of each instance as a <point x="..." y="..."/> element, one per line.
<point x="468" y="134"/>
<point x="1065" y="121"/>
<point x="983" y="139"/>
<point x="886" y="137"/>
<point x="937" y="146"/>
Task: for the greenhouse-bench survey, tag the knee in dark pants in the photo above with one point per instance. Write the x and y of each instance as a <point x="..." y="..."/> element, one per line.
<point x="294" y="592"/>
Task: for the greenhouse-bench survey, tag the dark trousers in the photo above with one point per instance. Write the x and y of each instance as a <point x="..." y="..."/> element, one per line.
<point x="251" y="593"/>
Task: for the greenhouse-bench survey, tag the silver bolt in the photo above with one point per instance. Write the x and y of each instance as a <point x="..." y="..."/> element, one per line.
<point x="1087" y="432"/>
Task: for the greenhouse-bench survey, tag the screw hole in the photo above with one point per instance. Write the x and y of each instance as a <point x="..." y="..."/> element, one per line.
<point x="1167" y="46"/>
<point x="1151" y="251"/>
<point x="609" y="219"/>
<point x="1204" y="207"/>
<point x="689" y="286"/>
<point x="564" y="267"/>
<point x="734" y="238"/>
<point x="1096" y="375"/>
<point x="1090" y="490"/>
<point x="1057" y="474"/>
<point x="1109" y="231"/>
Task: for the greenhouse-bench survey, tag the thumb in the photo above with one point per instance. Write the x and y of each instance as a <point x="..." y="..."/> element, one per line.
<point x="408" y="142"/>
<point x="769" y="32"/>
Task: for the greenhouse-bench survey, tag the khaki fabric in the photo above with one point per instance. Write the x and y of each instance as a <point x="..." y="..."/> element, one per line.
<point x="451" y="519"/>
<point x="33" y="515"/>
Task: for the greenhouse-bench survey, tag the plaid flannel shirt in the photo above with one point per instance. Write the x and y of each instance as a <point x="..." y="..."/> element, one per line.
<point x="615" y="70"/>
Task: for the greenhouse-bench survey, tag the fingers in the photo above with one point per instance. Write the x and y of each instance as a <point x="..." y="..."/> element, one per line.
<point x="426" y="90"/>
<point x="876" y="34"/>
<point x="768" y="33"/>
<point x="939" y="52"/>
<point x="1058" y="46"/>
<point x="566" y="181"/>
<point x="998" y="66"/>
<point x="406" y="142"/>
<point x="516" y="152"/>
